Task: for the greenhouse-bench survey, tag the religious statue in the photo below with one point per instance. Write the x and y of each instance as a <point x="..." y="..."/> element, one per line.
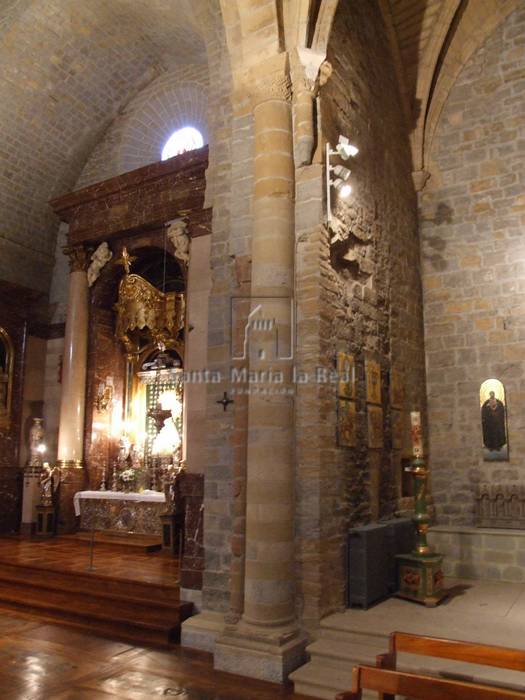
<point x="123" y="452"/>
<point x="134" y="458"/>
<point x="49" y="483"/>
<point x="493" y="423"/>
<point x="36" y="437"/>
<point x="99" y="258"/>
<point x="180" y="240"/>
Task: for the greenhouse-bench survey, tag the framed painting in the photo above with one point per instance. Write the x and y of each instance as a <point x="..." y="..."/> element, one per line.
<point x="494" y="430"/>
<point x="346" y="375"/>
<point x="346" y="423"/>
<point x="373" y="381"/>
<point x="397" y="389"/>
<point x="398" y="431"/>
<point x="375" y="427"/>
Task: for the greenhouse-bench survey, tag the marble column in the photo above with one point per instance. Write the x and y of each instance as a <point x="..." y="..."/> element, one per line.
<point x="266" y="643"/>
<point x="73" y="398"/>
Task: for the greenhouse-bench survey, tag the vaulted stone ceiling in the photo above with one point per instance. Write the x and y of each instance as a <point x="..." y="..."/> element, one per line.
<point x="431" y="40"/>
<point x="68" y="67"/>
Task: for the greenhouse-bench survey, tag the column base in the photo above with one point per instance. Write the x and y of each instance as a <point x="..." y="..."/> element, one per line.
<point x="70" y="463"/>
<point x="201" y="631"/>
<point x="257" y="652"/>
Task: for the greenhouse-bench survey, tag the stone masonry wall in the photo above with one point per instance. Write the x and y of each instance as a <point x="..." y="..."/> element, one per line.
<point x="220" y="447"/>
<point x="472" y="215"/>
<point x="369" y="286"/>
<point x="480" y="553"/>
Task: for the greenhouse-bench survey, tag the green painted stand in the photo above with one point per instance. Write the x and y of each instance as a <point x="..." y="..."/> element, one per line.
<point x="420" y="573"/>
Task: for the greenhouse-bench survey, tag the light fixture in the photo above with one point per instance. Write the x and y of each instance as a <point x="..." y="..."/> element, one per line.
<point x="341" y="172"/>
<point x="343" y="188"/>
<point x="344" y="150"/>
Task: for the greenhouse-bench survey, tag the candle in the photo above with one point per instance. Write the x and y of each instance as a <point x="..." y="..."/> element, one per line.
<point x="417" y="437"/>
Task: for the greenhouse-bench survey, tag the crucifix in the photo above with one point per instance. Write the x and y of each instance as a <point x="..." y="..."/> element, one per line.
<point x="125" y="260"/>
<point x="225" y="401"/>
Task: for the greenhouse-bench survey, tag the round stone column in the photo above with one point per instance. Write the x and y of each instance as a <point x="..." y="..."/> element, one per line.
<point x="266" y="643"/>
<point x="73" y="398"/>
<point x="74" y="364"/>
<point x="268" y="587"/>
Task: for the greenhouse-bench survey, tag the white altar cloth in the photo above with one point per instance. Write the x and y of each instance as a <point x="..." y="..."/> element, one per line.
<point x="151" y="496"/>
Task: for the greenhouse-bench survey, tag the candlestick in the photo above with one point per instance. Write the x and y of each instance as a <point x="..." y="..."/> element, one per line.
<point x="417" y="436"/>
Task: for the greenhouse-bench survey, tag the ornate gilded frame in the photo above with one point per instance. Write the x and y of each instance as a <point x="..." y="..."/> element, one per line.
<point x="5" y="411"/>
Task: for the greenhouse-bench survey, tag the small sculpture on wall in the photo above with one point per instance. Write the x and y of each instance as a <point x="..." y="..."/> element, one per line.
<point x="104" y="396"/>
<point x="178" y="237"/>
<point x="99" y="258"/>
<point x="494" y="421"/>
<point x="36" y="443"/>
<point x="49" y="483"/>
<point x="123" y="452"/>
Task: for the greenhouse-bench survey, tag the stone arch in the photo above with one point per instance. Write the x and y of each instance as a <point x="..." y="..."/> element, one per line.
<point x="135" y="138"/>
<point x="475" y="25"/>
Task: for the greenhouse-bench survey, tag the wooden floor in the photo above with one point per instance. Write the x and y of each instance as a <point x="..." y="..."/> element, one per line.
<point x="48" y="662"/>
<point x="66" y="554"/>
<point x="128" y="594"/>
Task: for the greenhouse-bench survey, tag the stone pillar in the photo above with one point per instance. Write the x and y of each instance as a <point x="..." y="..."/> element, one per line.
<point x="73" y="398"/>
<point x="266" y="642"/>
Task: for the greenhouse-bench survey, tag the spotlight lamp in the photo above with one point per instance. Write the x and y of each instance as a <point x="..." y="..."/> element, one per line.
<point x="343" y="188"/>
<point x="341" y="172"/>
<point x="343" y="150"/>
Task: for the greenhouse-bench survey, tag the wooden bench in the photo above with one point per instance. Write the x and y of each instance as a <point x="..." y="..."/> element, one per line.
<point x="469" y="652"/>
<point x="389" y="683"/>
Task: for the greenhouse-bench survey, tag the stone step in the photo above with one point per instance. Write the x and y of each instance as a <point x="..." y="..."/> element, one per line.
<point x="339" y="636"/>
<point x="321" y="681"/>
<point x="343" y="654"/>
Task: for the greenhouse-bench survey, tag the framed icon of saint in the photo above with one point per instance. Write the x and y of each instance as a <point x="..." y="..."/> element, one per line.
<point x="493" y="407"/>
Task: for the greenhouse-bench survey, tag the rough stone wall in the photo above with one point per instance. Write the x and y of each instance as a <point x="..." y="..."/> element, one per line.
<point x="472" y="215"/>
<point x="369" y="283"/>
<point x="220" y="194"/>
<point x="137" y="135"/>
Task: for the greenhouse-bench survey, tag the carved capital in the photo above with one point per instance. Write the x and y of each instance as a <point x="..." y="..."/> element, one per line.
<point x="78" y="257"/>
<point x="271" y="87"/>
<point x="269" y="80"/>
<point x="419" y="178"/>
<point x="309" y="70"/>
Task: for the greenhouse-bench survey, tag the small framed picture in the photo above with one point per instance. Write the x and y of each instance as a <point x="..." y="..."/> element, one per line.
<point x="346" y="423"/>
<point x="375" y="427"/>
<point x="397" y="389"/>
<point x="346" y="375"/>
<point x="373" y="381"/>
<point x="398" y="429"/>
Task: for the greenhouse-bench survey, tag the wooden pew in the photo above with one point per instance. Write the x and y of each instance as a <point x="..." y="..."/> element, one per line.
<point x="483" y="654"/>
<point x="419" y="687"/>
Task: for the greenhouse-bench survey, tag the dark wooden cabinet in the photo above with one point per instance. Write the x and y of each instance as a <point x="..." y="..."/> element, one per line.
<point x="371" y="562"/>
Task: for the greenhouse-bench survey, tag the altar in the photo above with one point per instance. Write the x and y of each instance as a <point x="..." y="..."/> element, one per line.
<point x="119" y="511"/>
